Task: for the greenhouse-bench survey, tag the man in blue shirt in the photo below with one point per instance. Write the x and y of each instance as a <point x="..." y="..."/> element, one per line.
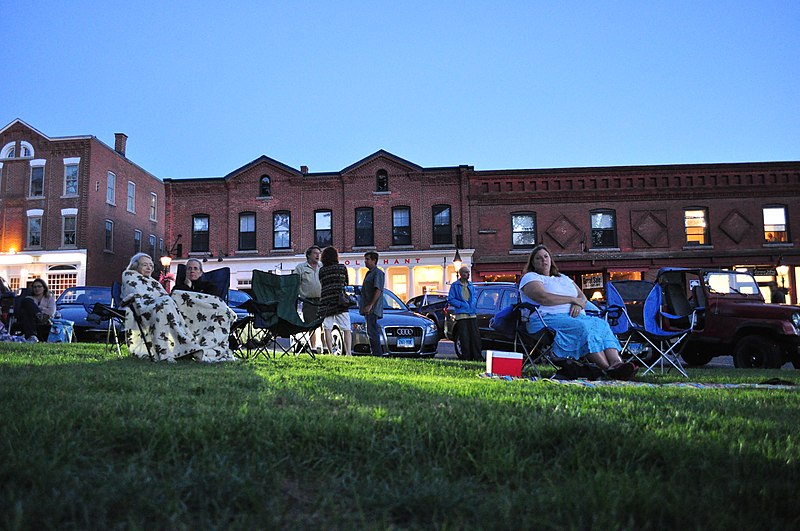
<point x="462" y="300"/>
<point x="371" y="303"/>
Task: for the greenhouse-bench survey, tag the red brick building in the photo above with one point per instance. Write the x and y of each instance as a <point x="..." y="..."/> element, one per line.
<point x="601" y="223"/>
<point x="72" y="209"/>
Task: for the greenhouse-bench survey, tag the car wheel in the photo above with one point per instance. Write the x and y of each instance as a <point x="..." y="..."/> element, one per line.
<point x="337" y="342"/>
<point x="457" y="345"/>
<point x="757" y="352"/>
<point x="695" y="358"/>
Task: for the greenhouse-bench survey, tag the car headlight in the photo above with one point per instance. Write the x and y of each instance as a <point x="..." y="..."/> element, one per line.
<point x="431" y="329"/>
<point x="359" y="328"/>
<point x="796" y="321"/>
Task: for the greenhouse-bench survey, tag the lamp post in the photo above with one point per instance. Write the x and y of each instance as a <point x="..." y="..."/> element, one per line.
<point x="782" y="271"/>
<point x="166" y="277"/>
<point x="457" y="261"/>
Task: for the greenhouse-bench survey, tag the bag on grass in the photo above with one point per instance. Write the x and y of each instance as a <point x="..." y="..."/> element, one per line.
<point x="60" y="331"/>
<point x="569" y="369"/>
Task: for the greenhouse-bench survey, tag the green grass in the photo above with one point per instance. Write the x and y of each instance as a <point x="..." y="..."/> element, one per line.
<point x="91" y="441"/>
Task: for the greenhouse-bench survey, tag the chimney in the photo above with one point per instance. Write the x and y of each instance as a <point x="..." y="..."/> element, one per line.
<point x="120" y="139"/>
<point x="303" y="169"/>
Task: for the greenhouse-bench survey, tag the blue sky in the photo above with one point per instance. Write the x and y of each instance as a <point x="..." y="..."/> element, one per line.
<point x="202" y="88"/>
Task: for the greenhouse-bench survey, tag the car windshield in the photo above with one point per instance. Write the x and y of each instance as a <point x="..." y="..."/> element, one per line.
<point x="85" y="296"/>
<point x="390" y="300"/>
<point x="236" y="297"/>
<point x="727" y="282"/>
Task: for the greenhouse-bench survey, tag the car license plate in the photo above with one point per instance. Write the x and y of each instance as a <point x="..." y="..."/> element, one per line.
<point x="405" y="342"/>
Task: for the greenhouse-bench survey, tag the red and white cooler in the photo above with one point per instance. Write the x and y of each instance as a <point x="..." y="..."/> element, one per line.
<point x="504" y="363"/>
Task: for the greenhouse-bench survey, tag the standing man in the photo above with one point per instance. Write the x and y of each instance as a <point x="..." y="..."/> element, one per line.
<point x="463" y="301"/>
<point x="310" y="289"/>
<point x="370" y="305"/>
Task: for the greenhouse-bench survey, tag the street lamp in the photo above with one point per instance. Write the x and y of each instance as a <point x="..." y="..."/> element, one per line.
<point x="457" y="261"/>
<point x="166" y="277"/>
<point x="782" y="271"/>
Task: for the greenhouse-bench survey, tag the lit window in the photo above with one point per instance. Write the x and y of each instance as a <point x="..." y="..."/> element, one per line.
<point x="442" y="228"/>
<point x="323" y="235"/>
<point x="364" y="227"/>
<point x="247" y="231"/>
<point x="401" y="226"/>
<point x="604" y="229"/>
<point x="775" y="224"/>
<point x="523" y="230"/>
<point x="111" y="189"/>
<point x="131" y="197"/>
<point x="153" y="206"/>
<point x="695" y="221"/>
<point x="281" y="230"/>
<point x="200" y="233"/>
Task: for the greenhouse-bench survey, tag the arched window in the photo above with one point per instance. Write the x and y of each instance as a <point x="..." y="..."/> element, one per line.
<point x="381" y="181"/>
<point x="9" y="151"/>
<point x="264" y="187"/>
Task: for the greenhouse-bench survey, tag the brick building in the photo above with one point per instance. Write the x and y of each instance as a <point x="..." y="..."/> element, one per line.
<point x="72" y="209"/>
<point x="601" y="223"/>
<point x="627" y="222"/>
<point x="265" y="214"/>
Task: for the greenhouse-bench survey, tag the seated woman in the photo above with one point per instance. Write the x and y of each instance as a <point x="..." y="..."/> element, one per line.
<point x="35" y="312"/>
<point x="561" y="304"/>
<point x="192" y="282"/>
<point x="188" y="324"/>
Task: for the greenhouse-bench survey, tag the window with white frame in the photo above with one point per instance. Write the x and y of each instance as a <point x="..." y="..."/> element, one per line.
<point x="34" y="239"/>
<point x="323" y="234"/>
<point x="25" y="149"/>
<point x="153" y="206"/>
<point x="131" y="197"/>
<point x="137" y="241"/>
<point x="604" y="229"/>
<point x="36" y="182"/>
<point x="9" y="151"/>
<point x="111" y="188"/>
<point x="247" y="231"/>
<point x="523" y="230"/>
<point x="69" y="225"/>
<point x="71" y="176"/>
<point x="281" y="230"/>
<point x="109" y="239"/>
<point x="200" y="228"/>
<point x="775" y="230"/>
<point x="61" y="277"/>
<point x="401" y="225"/>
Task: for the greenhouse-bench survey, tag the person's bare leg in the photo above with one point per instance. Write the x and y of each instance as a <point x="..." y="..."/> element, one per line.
<point x="612" y="356"/>
<point x="329" y="340"/>
<point x="348" y="342"/>
<point x="599" y="359"/>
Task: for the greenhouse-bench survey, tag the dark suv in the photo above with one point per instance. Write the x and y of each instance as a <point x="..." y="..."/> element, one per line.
<point x="492" y="297"/>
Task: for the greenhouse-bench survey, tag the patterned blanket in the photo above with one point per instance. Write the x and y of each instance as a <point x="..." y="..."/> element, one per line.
<point x="185" y="324"/>
<point x="618" y="383"/>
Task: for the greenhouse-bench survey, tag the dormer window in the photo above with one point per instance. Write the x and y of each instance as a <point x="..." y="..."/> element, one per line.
<point x="9" y="151"/>
<point x="264" y="187"/>
<point x="382" y="181"/>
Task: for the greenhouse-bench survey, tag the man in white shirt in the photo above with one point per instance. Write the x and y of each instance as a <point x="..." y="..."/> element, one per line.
<point x="310" y="290"/>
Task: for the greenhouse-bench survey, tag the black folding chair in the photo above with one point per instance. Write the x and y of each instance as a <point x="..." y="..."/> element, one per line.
<point x="114" y="313"/>
<point x="537" y="347"/>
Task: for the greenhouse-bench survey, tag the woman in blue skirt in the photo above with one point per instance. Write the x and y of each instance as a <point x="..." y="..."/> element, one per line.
<point x="561" y="305"/>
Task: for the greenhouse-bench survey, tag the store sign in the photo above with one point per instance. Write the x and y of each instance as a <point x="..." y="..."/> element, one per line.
<point x="764" y="272"/>
<point x="384" y="262"/>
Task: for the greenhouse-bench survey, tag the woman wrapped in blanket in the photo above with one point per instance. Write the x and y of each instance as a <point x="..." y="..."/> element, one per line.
<point x="186" y="324"/>
<point x="561" y="304"/>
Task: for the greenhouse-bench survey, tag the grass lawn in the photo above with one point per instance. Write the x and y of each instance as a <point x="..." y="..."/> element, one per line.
<point x="92" y="441"/>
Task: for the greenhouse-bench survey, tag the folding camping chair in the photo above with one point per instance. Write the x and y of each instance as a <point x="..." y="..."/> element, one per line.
<point x="275" y="315"/>
<point x="114" y="313"/>
<point x="512" y="321"/>
<point x="667" y="342"/>
<point x="625" y="314"/>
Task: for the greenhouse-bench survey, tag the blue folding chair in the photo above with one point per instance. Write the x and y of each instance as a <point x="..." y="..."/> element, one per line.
<point x="114" y="313"/>
<point x="624" y="314"/>
<point x="667" y="342"/>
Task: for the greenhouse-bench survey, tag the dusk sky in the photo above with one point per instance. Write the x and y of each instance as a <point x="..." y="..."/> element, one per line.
<point x="202" y="88"/>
